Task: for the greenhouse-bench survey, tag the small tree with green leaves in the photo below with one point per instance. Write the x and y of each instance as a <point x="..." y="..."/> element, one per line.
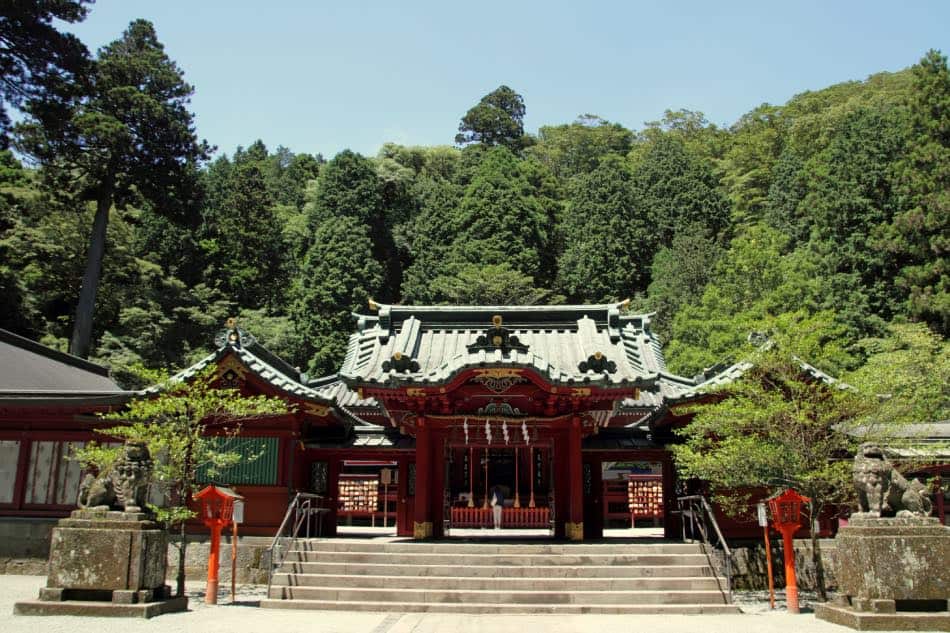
<point x="174" y="424"/>
<point x="775" y="428"/>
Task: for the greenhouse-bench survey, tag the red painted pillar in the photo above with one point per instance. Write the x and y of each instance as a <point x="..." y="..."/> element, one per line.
<point x="437" y="479"/>
<point x="574" y="529"/>
<point x="404" y="512"/>
<point x="671" y="526"/>
<point x="422" y="518"/>
<point x="334" y="466"/>
<point x="211" y="592"/>
<point x="791" y="583"/>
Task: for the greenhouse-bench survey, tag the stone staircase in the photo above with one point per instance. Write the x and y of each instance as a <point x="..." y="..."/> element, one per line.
<point x="368" y="575"/>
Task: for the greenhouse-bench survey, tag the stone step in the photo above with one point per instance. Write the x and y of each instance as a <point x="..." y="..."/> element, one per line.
<point x="707" y="583"/>
<point x="547" y="549"/>
<point x="495" y="608"/>
<point x="399" y="597"/>
<point x="425" y="558"/>
<point x="496" y="571"/>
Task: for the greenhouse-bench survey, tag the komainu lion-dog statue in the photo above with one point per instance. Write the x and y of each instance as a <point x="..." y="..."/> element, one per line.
<point x="122" y="487"/>
<point x="882" y="491"/>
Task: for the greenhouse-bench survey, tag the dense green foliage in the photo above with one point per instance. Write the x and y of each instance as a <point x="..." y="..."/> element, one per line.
<point x="826" y="215"/>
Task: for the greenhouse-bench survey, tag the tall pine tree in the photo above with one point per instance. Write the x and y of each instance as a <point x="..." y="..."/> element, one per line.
<point x="130" y="136"/>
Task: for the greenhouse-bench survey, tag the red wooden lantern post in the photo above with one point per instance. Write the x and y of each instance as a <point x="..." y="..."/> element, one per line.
<point x="786" y="515"/>
<point x="217" y="506"/>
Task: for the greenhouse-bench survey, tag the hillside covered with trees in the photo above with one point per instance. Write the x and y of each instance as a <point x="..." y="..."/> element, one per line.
<point x="824" y="219"/>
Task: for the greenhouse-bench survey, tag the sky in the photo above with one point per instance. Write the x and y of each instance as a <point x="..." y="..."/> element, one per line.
<point x="321" y="76"/>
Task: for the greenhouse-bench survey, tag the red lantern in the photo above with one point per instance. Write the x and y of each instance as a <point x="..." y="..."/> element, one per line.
<point x="217" y="508"/>
<point x="786" y="511"/>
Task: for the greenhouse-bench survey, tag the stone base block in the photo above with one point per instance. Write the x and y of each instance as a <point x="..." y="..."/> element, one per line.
<point x="574" y="531"/>
<point x="883" y="561"/>
<point x="101" y="609"/>
<point x="899" y="621"/>
<point x="421" y="531"/>
<point x="103" y="550"/>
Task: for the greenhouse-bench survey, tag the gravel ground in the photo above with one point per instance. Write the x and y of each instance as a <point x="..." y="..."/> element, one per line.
<point x="243" y="616"/>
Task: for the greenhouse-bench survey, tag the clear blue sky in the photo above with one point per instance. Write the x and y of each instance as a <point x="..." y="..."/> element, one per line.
<point x="321" y="76"/>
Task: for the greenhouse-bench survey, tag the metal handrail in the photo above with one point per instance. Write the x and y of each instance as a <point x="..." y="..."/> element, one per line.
<point x="299" y="512"/>
<point x="699" y="511"/>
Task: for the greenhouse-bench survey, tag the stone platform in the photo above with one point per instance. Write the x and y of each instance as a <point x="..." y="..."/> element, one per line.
<point x="898" y="621"/>
<point x="101" y="609"/>
<point x="106" y="563"/>
<point x="893" y="575"/>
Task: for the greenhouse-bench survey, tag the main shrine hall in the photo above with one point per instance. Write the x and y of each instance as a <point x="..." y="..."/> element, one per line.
<point x="564" y="412"/>
<point x="433" y="408"/>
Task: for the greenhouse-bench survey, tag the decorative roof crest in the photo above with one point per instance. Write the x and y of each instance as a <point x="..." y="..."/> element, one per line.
<point x="401" y="363"/>
<point x="233" y="336"/>
<point x="497" y="337"/>
<point x="597" y="363"/>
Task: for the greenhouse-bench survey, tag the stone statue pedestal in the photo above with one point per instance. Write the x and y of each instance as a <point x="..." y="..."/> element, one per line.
<point x="106" y="563"/>
<point x="893" y="574"/>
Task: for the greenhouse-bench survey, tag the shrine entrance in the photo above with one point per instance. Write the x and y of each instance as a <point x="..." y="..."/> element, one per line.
<point x="521" y="473"/>
<point x="629" y="494"/>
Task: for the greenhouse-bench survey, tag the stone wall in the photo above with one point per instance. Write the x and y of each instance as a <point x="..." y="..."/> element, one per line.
<point x="24" y="545"/>
<point x="750" y="570"/>
<point x="251" y="565"/>
<point x="24" y="549"/>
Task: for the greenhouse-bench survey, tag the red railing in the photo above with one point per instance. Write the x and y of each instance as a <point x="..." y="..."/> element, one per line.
<point x="510" y="517"/>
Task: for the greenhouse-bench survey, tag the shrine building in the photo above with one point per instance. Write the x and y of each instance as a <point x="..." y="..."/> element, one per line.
<point x="566" y="410"/>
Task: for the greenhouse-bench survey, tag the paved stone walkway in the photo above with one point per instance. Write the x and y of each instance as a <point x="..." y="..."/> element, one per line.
<point x="244" y="617"/>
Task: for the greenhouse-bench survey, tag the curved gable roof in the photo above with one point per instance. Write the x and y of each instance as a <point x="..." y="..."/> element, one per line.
<point x="555" y="341"/>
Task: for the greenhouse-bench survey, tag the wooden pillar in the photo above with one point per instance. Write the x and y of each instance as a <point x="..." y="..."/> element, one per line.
<point x="471" y="477"/>
<point x="574" y="528"/>
<point x="404" y="513"/>
<point x="485" y="502"/>
<point x="531" y="472"/>
<point x="422" y="517"/>
<point x="437" y="482"/>
<point x="517" y="502"/>
<point x="670" y="527"/>
<point x="334" y="466"/>
<point x="22" y="471"/>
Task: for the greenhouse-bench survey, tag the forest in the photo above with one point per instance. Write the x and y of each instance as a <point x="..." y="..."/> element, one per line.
<point x="822" y="221"/>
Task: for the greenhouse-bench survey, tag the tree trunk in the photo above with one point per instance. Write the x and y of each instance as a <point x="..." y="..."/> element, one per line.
<point x="85" y="309"/>
<point x="816" y="557"/>
<point x="180" y="578"/>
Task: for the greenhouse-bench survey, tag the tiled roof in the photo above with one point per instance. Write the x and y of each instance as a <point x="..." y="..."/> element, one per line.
<point x="31" y="368"/>
<point x="265" y="371"/>
<point x="333" y="388"/>
<point x="440" y="341"/>
<point x="735" y="371"/>
<point x="276" y="372"/>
